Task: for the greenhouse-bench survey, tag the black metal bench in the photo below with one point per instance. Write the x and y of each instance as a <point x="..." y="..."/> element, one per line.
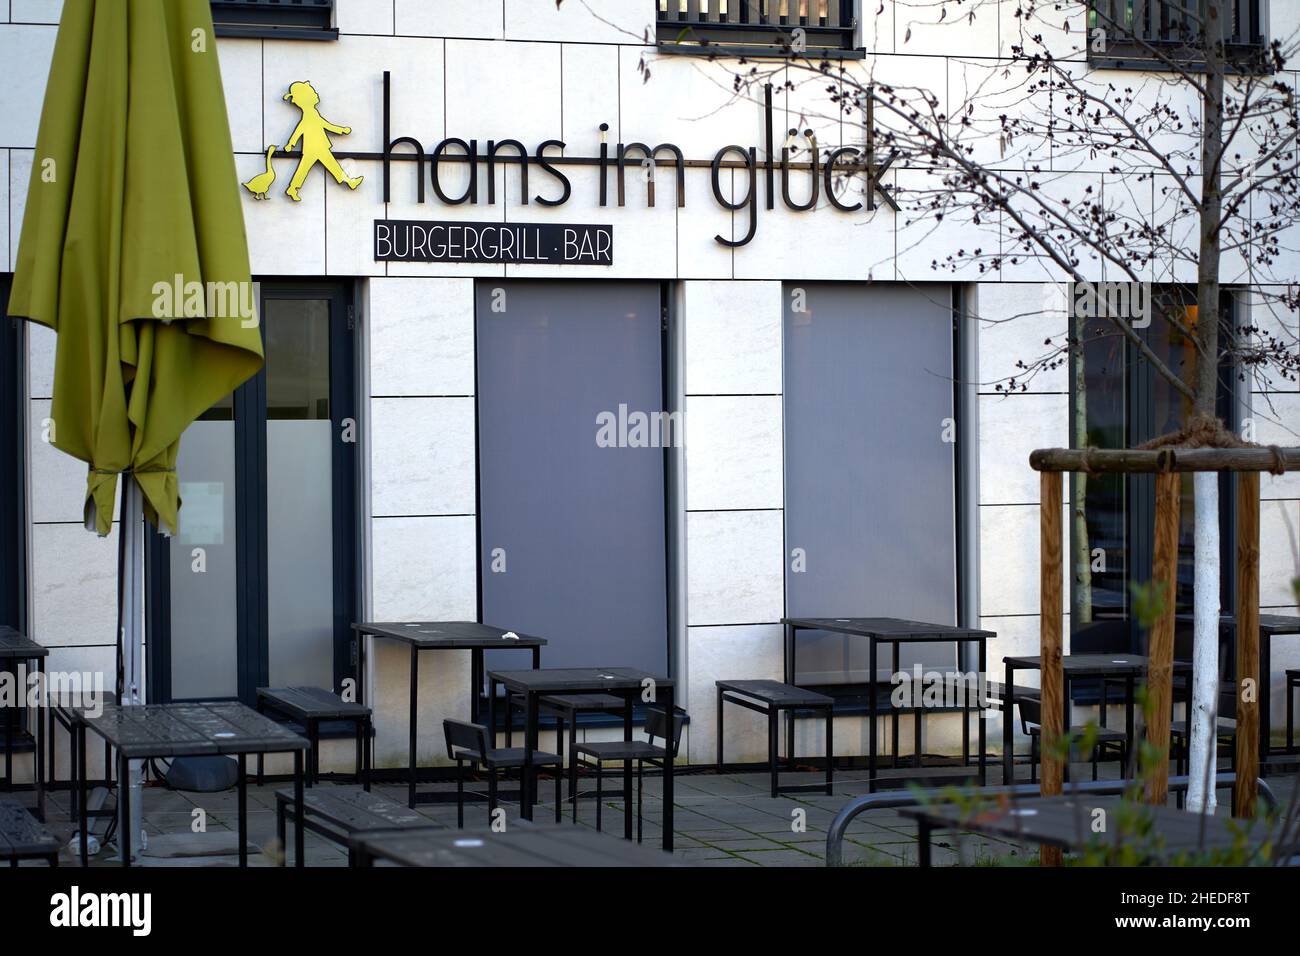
<point x="341" y="813"/>
<point x="22" y="837"/>
<point x="310" y="707"/>
<point x="771" y="697"/>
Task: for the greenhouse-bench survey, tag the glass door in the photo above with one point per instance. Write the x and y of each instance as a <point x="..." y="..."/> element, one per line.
<point x="258" y="588"/>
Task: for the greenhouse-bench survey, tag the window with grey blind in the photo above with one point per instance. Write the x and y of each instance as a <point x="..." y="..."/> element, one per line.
<point x="869" y="464"/>
<point x="572" y="528"/>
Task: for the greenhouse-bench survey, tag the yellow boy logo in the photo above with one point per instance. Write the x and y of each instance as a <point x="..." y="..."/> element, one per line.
<point x="313" y="132"/>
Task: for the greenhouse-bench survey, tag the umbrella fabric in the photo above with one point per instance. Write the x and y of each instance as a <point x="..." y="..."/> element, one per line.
<point x="134" y="194"/>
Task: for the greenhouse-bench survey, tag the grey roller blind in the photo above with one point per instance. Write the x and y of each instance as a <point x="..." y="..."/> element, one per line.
<point x="579" y="528"/>
<point x="869" y="475"/>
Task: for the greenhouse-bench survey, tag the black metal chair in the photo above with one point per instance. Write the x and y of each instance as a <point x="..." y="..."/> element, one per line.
<point x="642" y="751"/>
<point x="1031" y="723"/>
<point x="468" y="744"/>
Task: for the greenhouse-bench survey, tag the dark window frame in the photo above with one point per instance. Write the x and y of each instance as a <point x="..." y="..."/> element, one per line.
<point x="1155" y="27"/>
<point x="275" y="19"/>
<point x="252" y="616"/>
<point x="742" y="31"/>
<point x="1140" y="380"/>
<point x="13" y="478"/>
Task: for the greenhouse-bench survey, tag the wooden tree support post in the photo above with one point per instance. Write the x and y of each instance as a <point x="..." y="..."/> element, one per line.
<point x="1160" y="652"/>
<point x="1051" y="610"/>
<point x="1248" y="675"/>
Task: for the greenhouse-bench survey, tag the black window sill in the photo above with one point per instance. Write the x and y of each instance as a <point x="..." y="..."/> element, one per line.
<point x="756" y="50"/>
<point x="262" y="31"/>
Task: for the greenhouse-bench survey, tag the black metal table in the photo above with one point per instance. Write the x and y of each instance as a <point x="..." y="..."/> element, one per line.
<point x="625" y="682"/>
<point x="520" y="845"/>
<point x="894" y="632"/>
<point x="17" y="649"/>
<point x="1126" y="667"/>
<point x="186" y="730"/>
<point x="442" y="636"/>
<point x="1066" y="821"/>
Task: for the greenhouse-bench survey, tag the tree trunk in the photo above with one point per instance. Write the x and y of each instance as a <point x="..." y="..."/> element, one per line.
<point x="1205" y="643"/>
<point x="1202" y="742"/>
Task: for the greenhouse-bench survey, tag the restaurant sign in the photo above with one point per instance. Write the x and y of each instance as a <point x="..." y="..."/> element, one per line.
<point x="740" y="181"/>
<point x="405" y="240"/>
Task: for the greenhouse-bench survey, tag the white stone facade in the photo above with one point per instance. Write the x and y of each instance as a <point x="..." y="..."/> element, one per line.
<point x="519" y="69"/>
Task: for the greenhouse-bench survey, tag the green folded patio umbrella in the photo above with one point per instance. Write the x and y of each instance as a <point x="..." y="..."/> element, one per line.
<point x="133" y="195"/>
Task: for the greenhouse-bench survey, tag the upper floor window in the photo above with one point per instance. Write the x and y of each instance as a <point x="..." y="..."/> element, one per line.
<point x="280" y="19"/>
<point x="758" y="27"/>
<point x="1150" y="34"/>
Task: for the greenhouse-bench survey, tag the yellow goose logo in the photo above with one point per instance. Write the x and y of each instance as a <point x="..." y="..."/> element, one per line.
<point x="313" y="132"/>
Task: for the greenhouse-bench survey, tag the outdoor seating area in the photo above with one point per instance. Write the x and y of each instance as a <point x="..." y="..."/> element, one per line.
<point x="713" y="815"/>
<point x="446" y="438"/>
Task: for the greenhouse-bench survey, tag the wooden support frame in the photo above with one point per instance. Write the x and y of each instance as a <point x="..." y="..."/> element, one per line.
<point x="1052" y="507"/>
<point x="1168" y="465"/>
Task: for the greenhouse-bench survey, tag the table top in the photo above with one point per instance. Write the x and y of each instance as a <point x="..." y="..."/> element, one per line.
<point x="311" y="703"/>
<point x="449" y="635"/>
<point x="776" y="692"/>
<point x="1095" y="665"/>
<point x="189" y="730"/>
<point x="1269" y="624"/>
<point x="1066" y="821"/>
<point x="890" y="628"/>
<point x="520" y="845"/>
<point x="17" y="647"/>
<point x="573" y="680"/>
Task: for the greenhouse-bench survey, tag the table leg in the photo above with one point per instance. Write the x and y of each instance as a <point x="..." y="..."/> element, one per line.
<point x="1008" y="715"/>
<point x="668" y="775"/>
<point x="718" y="727"/>
<point x="1065" y="722"/>
<point x="871" y="715"/>
<point x="299" y="811"/>
<point x="415" y="682"/>
<point x="243" y="810"/>
<point x="78" y="740"/>
<point x="1130" y="690"/>
<point x="124" y="808"/>
<point x="313" y="734"/>
<point x="627" y="767"/>
<point x="530" y="745"/>
<point x="923" y="830"/>
<point x="42" y="704"/>
<point x="787" y="657"/>
<point x="982" y="735"/>
<point x="773" y="716"/>
<point x="573" y="763"/>
<point x="365" y="752"/>
<point x="11" y="715"/>
<point x="1265" y="697"/>
<point x="475" y="682"/>
<point x="894" y="715"/>
<point x="830" y="750"/>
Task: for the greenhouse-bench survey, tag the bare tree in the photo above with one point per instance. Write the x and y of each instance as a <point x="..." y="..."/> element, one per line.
<point x="1182" y="172"/>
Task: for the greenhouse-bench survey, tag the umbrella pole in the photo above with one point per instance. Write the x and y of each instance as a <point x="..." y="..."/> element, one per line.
<point x="130" y="633"/>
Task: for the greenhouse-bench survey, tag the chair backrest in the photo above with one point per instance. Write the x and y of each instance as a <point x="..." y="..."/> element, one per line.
<point x="656" y="726"/>
<point x="1031" y="712"/>
<point x="464" y="736"/>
